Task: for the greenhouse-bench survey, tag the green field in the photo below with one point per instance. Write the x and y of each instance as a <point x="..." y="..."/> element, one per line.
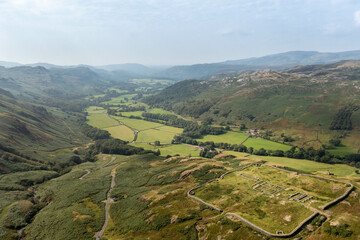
<point x="128" y="114"/>
<point x="95" y="109"/>
<point x="121" y="132"/>
<point x="160" y="111"/>
<point x="239" y="137"/>
<point x="258" y="143"/>
<point x="342" y="151"/>
<point x="163" y="134"/>
<point x="138" y="123"/>
<point x="268" y="206"/>
<point x="97" y="117"/>
<point x="101" y="120"/>
<point x="229" y="137"/>
<point x="121" y="100"/>
<point x="310" y="166"/>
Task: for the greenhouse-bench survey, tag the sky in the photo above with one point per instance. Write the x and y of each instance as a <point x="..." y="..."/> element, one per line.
<point x="172" y="32"/>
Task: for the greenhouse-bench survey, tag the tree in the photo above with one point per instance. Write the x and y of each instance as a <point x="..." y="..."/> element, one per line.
<point x="335" y="142"/>
<point x="157" y="143"/>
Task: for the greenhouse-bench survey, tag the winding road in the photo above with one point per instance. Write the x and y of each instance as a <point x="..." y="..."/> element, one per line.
<point x="87" y="172"/>
<point x="108" y="201"/>
<point x="107" y="164"/>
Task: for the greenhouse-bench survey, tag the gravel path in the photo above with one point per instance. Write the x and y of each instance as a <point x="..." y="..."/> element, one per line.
<point x="107" y="205"/>
<point x="87" y="172"/>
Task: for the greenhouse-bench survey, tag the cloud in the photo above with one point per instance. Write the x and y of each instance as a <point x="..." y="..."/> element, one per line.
<point x="357" y="18"/>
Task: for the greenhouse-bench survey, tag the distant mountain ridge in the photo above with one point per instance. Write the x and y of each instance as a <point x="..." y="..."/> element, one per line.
<point x="39" y="81"/>
<point x="123" y="72"/>
<point x="297" y="58"/>
<point x="276" y="62"/>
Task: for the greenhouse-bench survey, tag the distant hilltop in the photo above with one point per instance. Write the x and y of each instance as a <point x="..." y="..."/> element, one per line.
<point x="278" y="61"/>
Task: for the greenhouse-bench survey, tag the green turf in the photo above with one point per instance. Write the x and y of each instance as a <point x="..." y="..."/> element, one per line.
<point x="239" y="137"/>
<point x="101" y="120"/>
<point x="138" y="123"/>
<point x="128" y="114"/>
<point x="160" y="111"/>
<point x="121" y="132"/>
<point x="258" y="143"/>
<point x="163" y="134"/>
<point x="310" y="166"/>
<point x="183" y="150"/>
<point x="342" y="151"/>
<point x="95" y="109"/>
<point x="229" y="137"/>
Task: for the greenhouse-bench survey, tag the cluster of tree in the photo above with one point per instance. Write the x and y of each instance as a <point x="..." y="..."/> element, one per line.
<point x="127" y="108"/>
<point x="114" y="146"/>
<point x="208" y="152"/>
<point x="191" y="128"/>
<point x="335" y="142"/>
<point x="341" y="230"/>
<point x="94" y="133"/>
<point x="167" y="119"/>
<point x="342" y="119"/>
<point x="193" y="107"/>
<point x="319" y="155"/>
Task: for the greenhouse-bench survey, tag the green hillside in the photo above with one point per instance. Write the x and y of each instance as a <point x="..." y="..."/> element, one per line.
<point x="316" y="98"/>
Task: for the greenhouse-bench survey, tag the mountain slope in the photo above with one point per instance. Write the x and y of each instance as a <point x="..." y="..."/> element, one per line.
<point x="33" y="130"/>
<point x="275" y="62"/>
<point x="305" y="97"/>
<point x="38" y="81"/>
<point x="297" y="58"/>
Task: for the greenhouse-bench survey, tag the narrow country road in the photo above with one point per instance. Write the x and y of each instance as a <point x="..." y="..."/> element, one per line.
<point x="107" y="205"/>
<point x="87" y="172"/>
<point x="107" y="164"/>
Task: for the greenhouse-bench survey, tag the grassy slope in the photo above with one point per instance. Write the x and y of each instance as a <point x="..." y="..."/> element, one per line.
<point x="147" y="189"/>
<point x="310" y="166"/>
<point x="303" y="98"/>
<point x="163" y="134"/>
<point x="258" y="143"/>
<point x="73" y="214"/>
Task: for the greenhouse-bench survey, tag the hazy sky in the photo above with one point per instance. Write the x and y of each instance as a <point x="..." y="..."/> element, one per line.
<point x="172" y="31"/>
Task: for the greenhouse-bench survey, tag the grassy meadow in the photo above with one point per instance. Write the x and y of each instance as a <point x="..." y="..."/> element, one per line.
<point x="229" y="137"/>
<point x="258" y="143"/>
<point x="121" y="132"/>
<point x="310" y="166"/>
<point x="163" y="134"/>
<point x="138" y="124"/>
